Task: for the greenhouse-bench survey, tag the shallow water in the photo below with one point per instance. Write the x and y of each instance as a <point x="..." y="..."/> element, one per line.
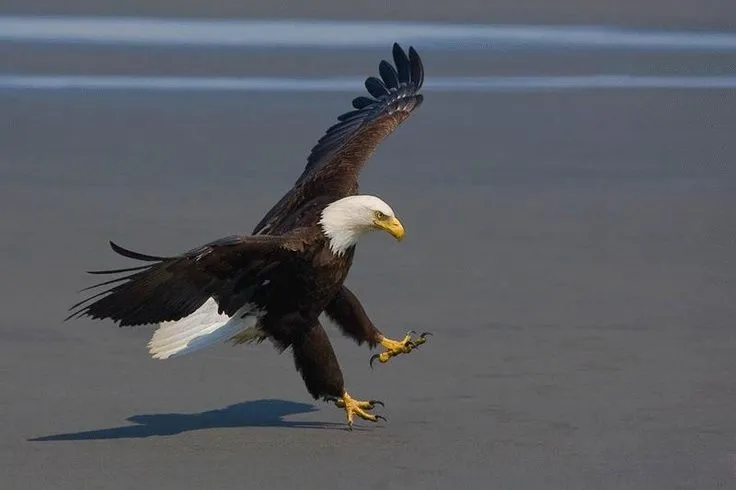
<point x="349" y="34"/>
<point x="353" y="85"/>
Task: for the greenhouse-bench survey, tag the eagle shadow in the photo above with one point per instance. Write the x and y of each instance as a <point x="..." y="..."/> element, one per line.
<point x="256" y="413"/>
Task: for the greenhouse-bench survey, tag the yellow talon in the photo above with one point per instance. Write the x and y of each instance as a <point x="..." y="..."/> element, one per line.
<point x="396" y="347"/>
<point x="358" y="407"/>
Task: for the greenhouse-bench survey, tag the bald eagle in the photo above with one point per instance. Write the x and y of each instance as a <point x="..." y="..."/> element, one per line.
<point x="276" y="282"/>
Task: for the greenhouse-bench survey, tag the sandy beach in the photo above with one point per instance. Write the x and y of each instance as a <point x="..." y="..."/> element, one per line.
<point x="572" y="252"/>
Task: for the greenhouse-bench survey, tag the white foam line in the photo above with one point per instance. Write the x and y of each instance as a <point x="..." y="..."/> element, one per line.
<point x="355" y="85"/>
<point x="343" y="34"/>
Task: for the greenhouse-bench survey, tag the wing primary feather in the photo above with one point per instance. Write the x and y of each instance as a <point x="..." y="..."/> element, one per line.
<point x="362" y="102"/>
<point x="389" y="75"/>
<point x="402" y="64"/>
<point x="111" y="281"/>
<point x="118" y="271"/>
<point x="86" y="300"/>
<point x="417" y="69"/>
<point x="348" y="115"/>
<point x="135" y="255"/>
<point x="375" y="87"/>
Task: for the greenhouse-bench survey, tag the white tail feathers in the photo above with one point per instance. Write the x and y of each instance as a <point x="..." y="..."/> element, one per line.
<point x="202" y="328"/>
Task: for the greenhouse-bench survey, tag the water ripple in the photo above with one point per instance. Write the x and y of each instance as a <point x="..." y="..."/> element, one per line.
<point x="346" y="34"/>
<point x="355" y="85"/>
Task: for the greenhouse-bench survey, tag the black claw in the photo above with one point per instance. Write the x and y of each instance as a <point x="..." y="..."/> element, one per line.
<point x="381" y="417"/>
<point x="373" y="358"/>
<point x="378" y="402"/>
<point x="425" y="334"/>
<point x="410" y="332"/>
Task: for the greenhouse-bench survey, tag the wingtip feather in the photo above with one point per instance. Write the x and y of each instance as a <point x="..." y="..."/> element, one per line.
<point x="389" y="75"/>
<point x="135" y="255"/>
<point x="417" y="68"/>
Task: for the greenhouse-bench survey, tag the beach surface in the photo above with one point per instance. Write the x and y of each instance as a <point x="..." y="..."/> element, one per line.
<point x="571" y="250"/>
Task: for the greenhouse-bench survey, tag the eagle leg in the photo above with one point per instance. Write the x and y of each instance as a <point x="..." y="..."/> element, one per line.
<point x="396" y="347"/>
<point x="355" y="407"/>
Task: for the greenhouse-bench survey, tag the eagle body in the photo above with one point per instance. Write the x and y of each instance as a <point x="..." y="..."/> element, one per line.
<point x="276" y="282"/>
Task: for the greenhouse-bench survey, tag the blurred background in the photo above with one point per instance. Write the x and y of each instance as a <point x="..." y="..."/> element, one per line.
<point x="708" y="14"/>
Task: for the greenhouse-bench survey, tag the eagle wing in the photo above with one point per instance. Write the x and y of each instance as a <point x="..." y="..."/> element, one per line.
<point x="171" y="288"/>
<point x="335" y="161"/>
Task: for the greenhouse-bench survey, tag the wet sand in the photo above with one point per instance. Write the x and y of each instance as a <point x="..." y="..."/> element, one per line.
<point x="572" y="252"/>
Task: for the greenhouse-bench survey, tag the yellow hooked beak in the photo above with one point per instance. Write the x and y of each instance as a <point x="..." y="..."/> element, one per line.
<point x="392" y="225"/>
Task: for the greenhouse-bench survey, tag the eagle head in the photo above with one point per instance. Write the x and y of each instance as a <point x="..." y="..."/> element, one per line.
<point x="344" y="220"/>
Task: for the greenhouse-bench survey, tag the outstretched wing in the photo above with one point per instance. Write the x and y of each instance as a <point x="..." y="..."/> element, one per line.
<point x="335" y="161"/>
<point x="171" y="288"/>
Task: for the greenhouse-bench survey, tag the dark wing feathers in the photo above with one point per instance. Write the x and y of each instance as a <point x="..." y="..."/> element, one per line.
<point x="362" y="102"/>
<point x="336" y="159"/>
<point x="348" y="116"/>
<point x="135" y="255"/>
<point x="170" y="288"/>
<point x="395" y="86"/>
<point x="376" y="87"/>
<point x="417" y="69"/>
<point x="389" y="75"/>
<point x="403" y="66"/>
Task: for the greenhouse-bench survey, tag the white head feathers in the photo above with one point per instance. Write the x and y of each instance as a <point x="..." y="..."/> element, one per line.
<point x="344" y="220"/>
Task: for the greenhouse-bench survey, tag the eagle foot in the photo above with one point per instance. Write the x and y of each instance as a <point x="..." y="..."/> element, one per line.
<point x="396" y="347"/>
<point x="357" y="408"/>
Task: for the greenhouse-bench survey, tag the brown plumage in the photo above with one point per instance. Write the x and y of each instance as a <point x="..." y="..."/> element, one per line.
<point x="289" y="271"/>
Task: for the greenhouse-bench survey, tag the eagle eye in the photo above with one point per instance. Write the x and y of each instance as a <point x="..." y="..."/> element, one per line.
<point x="380" y="216"/>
